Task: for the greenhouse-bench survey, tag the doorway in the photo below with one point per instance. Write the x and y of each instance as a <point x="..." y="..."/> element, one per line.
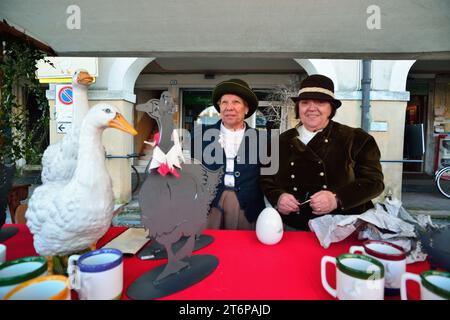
<point x="415" y="127"/>
<point x="197" y="108"/>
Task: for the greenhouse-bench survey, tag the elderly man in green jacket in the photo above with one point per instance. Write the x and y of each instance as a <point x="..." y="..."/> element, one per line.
<point x="334" y="167"/>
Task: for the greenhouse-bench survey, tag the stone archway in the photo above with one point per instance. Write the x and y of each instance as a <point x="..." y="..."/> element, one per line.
<point x="124" y="73"/>
<point x="320" y="66"/>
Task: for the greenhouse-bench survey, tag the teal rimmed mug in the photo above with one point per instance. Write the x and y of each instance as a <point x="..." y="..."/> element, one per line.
<point x="15" y="272"/>
<point x="434" y="285"/>
<point x="358" y="277"/>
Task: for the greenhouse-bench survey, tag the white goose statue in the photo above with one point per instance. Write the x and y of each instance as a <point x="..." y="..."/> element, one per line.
<point x="59" y="159"/>
<point x="69" y="216"/>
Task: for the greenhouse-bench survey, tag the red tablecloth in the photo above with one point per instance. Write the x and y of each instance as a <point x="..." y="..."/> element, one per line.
<point x="247" y="270"/>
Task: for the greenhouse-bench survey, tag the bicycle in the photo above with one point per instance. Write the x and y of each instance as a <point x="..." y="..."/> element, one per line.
<point x="128" y="156"/>
<point x="442" y="180"/>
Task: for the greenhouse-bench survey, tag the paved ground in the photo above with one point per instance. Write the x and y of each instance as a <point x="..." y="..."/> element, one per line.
<point x="419" y="196"/>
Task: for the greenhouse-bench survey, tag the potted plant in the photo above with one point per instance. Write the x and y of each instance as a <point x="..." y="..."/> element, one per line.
<point x="20" y="138"/>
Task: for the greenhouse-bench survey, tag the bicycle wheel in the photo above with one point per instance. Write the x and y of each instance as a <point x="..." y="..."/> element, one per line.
<point x="443" y="181"/>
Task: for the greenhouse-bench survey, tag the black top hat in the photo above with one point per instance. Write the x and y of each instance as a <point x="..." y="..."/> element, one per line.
<point x="238" y="87"/>
<point x="317" y="87"/>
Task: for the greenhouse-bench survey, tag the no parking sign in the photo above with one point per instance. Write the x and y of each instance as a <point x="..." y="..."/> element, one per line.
<point x="63" y="107"/>
<point x="65" y="95"/>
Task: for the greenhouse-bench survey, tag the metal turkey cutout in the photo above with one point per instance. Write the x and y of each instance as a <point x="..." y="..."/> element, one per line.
<point x="174" y="202"/>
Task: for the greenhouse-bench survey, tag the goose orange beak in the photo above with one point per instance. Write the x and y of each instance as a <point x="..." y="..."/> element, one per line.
<point x="120" y="123"/>
<point x="85" y="78"/>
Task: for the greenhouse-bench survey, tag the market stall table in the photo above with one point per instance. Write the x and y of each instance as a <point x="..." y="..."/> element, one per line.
<point x="247" y="270"/>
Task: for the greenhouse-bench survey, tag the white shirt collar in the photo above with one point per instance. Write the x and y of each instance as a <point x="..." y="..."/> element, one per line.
<point x="305" y="135"/>
<point x="227" y="131"/>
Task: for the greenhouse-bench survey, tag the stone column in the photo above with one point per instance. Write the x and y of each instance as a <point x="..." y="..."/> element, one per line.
<point x="116" y="142"/>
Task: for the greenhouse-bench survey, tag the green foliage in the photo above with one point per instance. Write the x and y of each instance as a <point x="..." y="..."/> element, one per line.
<point x="18" y="137"/>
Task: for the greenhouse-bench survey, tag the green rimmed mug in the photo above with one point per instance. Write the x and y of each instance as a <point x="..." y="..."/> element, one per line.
<point x="15" y="272"/>
<point x="434" y="285"/>
<point x="358" y="277"/>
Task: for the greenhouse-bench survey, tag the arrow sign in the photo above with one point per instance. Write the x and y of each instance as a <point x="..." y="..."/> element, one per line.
<point x="63" y="127"/>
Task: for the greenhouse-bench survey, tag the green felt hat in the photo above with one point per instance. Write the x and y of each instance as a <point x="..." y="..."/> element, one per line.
<point x="238" y="87"/>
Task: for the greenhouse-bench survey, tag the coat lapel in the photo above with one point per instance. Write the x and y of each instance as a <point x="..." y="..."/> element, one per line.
<point x="303" y="150"/>
<point x="322" y="141"/>
<point x="317" y="148"/>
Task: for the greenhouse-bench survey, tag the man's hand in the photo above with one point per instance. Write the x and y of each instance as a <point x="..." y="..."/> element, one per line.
<point x="287" y="203"/>
<point x="323" y="202"/>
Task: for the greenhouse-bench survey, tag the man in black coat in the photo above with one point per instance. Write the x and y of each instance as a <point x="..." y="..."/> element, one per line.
<point x="232" y="145"/>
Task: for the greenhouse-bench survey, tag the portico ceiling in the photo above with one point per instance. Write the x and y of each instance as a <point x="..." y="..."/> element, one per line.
<point x="212" y="66"/>
<point x="380" y="29"/>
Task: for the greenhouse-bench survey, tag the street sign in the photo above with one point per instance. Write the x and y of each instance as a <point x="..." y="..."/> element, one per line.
<point x="63" y="107"/>
<point x="63" y="127"/>
<point x="65" y="96"/>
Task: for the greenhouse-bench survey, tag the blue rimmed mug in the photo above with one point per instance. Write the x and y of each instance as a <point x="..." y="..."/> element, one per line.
<point x="97" y="275"/>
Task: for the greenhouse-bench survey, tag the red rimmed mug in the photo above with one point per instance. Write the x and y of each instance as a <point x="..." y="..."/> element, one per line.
<point x="393" y="258"/>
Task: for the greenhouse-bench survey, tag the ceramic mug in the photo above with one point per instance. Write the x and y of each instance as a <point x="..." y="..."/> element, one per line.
<point x="393" y="258"/>
<point x="55" y="287"/>
<point x="13" y="273"/>
<point x="358" y="277"/>
<point x="434" y="285"/>
<point x="97" y="275"/>
<point x="2" y="253"/>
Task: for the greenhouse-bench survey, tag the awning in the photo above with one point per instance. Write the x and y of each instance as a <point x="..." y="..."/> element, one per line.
<point x="6" y="31"/>
<point x="382" y="29"/>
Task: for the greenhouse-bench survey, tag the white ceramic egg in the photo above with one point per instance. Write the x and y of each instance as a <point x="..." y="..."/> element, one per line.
<point x="269" y="226"/>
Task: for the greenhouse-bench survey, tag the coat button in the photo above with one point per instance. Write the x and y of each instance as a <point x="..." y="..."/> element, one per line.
<point x="294" y="188"/>
<point x="319" y="162"/>
<point x="292" y="164"/>
<point x="324" y="186"/>
<point x="237" y="174"/>
<point x="292" y="176"/>
<point x="326" y="140"/>
<point x="321" y="174"/>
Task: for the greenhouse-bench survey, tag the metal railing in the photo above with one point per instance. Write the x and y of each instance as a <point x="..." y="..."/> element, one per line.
<point x="130" y="156"/>
<point x="403" y="161"/>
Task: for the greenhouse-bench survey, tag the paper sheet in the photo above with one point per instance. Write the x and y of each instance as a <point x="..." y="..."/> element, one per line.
<point x="388" y="221"/>
<point x="130" y="241"/>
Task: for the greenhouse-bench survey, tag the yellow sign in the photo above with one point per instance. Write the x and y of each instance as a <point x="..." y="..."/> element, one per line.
<point x="58" y="80"/>
<point x="61" y="69"/>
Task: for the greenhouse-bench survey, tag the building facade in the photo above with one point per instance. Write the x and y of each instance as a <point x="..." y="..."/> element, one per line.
<point x="126" y="82"/>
